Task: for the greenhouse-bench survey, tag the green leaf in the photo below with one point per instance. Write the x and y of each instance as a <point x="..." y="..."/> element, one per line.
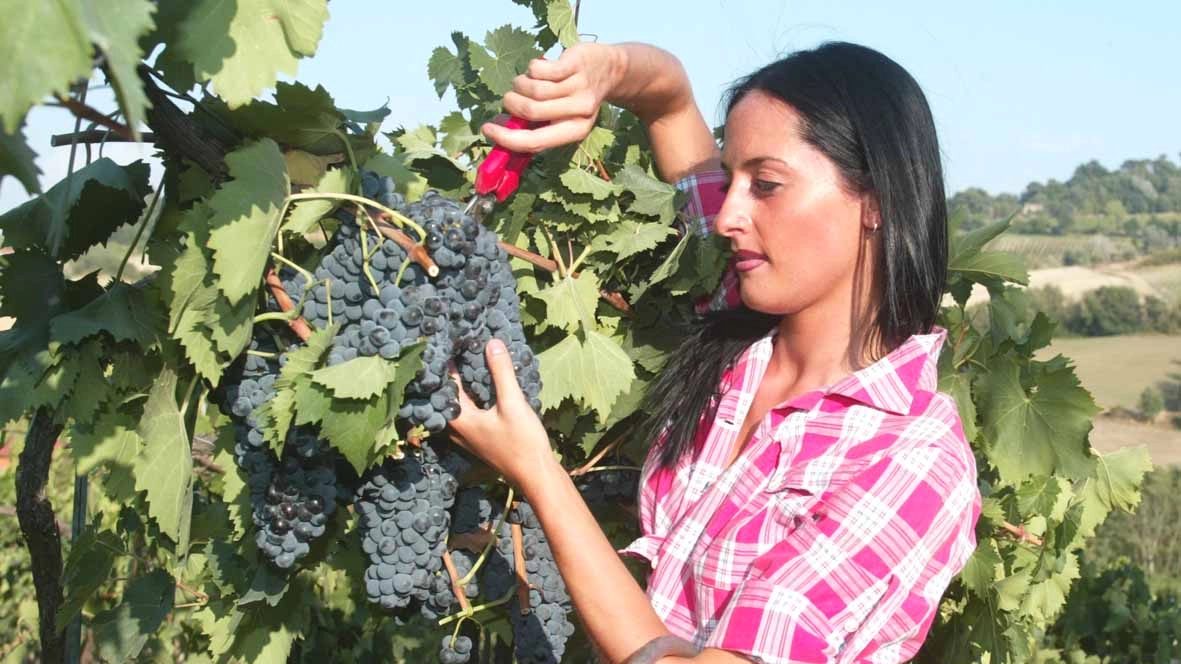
<point x="653" y="197"/>
<point x="359" y="378"/>
<point x="165" y="469"/>
<point x="66" y="216"/>
<point x="242" y="46"/>
<point x="306" y="213"/>
<point x="593" y="372"/>
<point x="246" y="217"/>
<point x="121" y="632"/>
<point x="123" y="312"/>
<point x="560" y="17"/>
<point x="628" y="238"/>
<point x="457" y="133"/>
<point x="980" y="572"/>
<point x="991" y="265"/>
<point x="92" y="555"/>
<point x="275" y="415"/>
<point x="366" y="117"/>
<point x="582" y="182"/>
<point x="18" y="160"/>
<point x="115" y="27"/>
<point x="966" y="245"/>
<point x="301" y="117"/>
<point x="113" y="442"/>
<point x="509" y="51"/>
<point x="444" y="69"/>
<point x="1039" y="432"/>
<point x="958" y="384"/>
<point x="570" y="302"/>
<point x="44" y="47"/>
<point x="1118" y="476"/>
<point x="1046" y="598"/>
<point x="393" y="166"/>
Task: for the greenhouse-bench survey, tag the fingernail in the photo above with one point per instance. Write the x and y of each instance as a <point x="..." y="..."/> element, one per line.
<point x="496" y="347"/>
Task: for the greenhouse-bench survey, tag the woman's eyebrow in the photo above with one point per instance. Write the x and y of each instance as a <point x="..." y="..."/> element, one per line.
<point x="752" y="162"/>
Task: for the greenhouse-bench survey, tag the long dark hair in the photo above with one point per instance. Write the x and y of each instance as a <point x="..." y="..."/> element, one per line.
<point x="869" y="116"/>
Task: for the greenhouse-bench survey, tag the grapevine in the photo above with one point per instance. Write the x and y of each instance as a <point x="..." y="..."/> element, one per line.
<point x="315" y="284"/>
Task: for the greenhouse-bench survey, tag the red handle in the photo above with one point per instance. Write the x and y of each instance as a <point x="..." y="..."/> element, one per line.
<point x="500" y="172"/>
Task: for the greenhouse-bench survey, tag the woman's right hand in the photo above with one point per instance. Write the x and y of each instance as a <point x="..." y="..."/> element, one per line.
<point x="565" y="93"/>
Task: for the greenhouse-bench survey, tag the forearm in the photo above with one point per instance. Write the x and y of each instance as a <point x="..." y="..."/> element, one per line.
<point x="613" y="608"/>
<point x="652" y="83"/>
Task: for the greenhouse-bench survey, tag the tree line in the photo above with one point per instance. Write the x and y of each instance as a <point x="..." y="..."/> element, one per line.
<point x="1140" y="199"/>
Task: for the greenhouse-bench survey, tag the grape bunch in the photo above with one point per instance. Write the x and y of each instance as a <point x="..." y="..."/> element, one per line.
<point x="610" y="486"/>
<point x="292" y="495"/>
<point x="470" y="301"/>
<point x="403" y="508"/>
<point x="455" y="651"/>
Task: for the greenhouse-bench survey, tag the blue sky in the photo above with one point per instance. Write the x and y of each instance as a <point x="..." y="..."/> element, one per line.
<point x="1021" y="91"/>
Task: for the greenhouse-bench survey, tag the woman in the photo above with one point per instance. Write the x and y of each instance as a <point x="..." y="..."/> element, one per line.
<point x="820" y="505"/>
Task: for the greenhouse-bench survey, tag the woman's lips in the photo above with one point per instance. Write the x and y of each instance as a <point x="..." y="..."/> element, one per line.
<point x="745" y="261"/>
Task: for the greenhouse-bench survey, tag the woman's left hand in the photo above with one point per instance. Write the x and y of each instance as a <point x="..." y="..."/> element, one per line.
<point x="509" y="436"/>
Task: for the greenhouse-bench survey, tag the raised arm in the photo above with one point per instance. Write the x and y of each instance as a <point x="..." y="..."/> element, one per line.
<point x="641" y="78"/>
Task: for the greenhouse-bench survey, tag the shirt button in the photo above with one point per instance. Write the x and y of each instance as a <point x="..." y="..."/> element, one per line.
<point x="851" y="625"/>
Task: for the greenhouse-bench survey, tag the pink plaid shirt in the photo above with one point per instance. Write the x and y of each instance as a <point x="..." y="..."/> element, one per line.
<point x="833" y="535"/>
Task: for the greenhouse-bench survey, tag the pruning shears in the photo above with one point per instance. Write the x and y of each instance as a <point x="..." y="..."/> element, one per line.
<point x="499" y="174"/>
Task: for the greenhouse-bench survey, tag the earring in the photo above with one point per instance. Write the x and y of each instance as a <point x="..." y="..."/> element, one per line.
<point x="875" y="227"/>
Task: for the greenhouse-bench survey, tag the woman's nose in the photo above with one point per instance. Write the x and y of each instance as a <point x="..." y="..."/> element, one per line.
<point x="732" y="219"/>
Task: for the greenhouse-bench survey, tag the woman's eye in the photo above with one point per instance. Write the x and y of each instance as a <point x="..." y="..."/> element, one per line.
<point x="765" y="186"/>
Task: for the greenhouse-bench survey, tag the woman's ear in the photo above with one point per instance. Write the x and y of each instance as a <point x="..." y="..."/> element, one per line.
<point x="871" y="216"/>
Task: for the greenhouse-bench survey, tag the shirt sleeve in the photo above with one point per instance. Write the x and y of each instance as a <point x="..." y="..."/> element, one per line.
<point x="860" y="580"/>
<point x="704" y="195"/>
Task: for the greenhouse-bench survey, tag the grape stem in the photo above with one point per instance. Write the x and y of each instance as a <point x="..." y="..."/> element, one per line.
<point x="298" y="325"/>
<point x="1021" y="533"/>
<point x="414" y="251"/>
<point x="365" y="253"/>
<point x="599" y="456"/>
<point x="522" y="574"/>
<point x="614" y="298"/>
<point x="491" y="540"/>
<point x="479" y="607"/>
<point x="456" y="587"/>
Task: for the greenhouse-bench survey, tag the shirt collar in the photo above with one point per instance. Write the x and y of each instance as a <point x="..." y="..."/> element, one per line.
<point x="888" y="384"/>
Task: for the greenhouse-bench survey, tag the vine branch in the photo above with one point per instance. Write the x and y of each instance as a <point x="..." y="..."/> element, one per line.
<point x="40" y="529"/>
<point x="86" y="112"/>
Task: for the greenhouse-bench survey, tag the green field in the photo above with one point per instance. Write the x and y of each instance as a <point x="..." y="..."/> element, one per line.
<point x="1047" y="250"/>
<point x="1117" y="369"/>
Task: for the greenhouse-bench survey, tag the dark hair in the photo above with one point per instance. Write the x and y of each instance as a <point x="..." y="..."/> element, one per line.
<point x="869" y="116"/>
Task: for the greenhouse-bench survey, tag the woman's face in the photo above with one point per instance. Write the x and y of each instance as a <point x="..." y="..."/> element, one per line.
<point x="796" y="232"/>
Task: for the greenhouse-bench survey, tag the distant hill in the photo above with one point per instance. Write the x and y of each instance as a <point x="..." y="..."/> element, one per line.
<point x="1140" y="194"/>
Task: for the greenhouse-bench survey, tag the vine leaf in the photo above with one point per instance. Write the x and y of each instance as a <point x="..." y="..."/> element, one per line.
<point x="121" y="632"/>
<point x="242" y="46"/>
<point x="124" y="312"/>
<point x="560" y="17"/>
<point x="31" y="73"/>
<point x="1041" y="432"/>
<point x="359" y="378"/>
<point x="582" y="182"/>
<point x="593" y="372"/>
<point x="653" y="197"/>
<point x="1115" y="484"/>
<point x="505" y="54"/>
<point x="110" y="441"/>
<point x="306" y="213"/>
<point x="570" y="302"/>
<point x="18" y="160"/>
<point x="301" y="118"/>
<point x="628" y="238"/>
<point x="91" y="557"/>
<point x="64" y="215"/>
<point x="246" y="217"/>
<point x="115" y="27"/>
<point x="165" y="469"/>
<point x="274" y="416"/>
